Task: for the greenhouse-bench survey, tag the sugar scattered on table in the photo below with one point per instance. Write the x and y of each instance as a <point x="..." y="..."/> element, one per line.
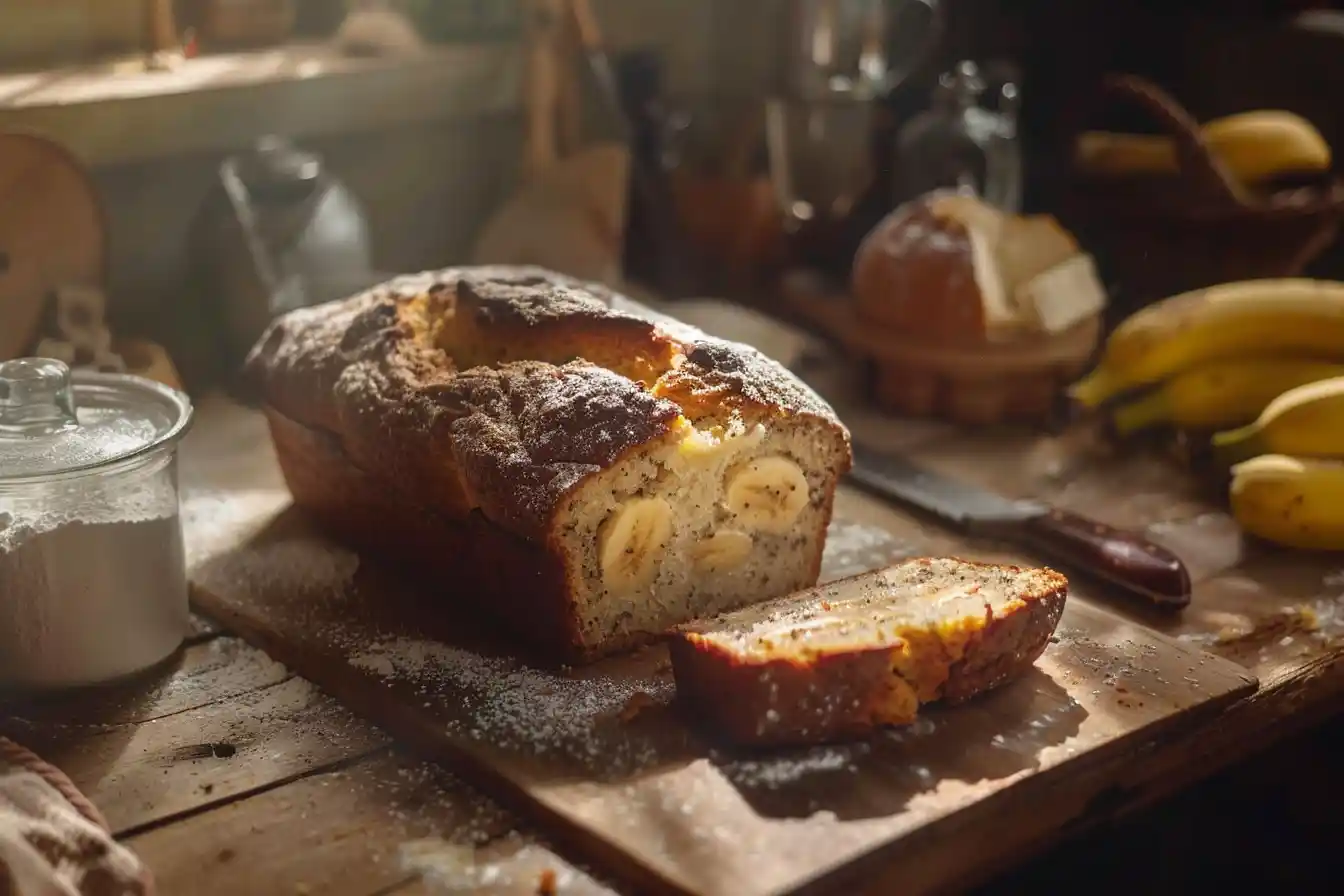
<point x="513" y="706"/>
<point x="774" y="772"/>
<point x="454" y="868"/>
<point x="853" y="548"/>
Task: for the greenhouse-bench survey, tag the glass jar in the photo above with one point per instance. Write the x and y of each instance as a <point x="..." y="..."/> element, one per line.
<point x="93" y="583"/>
<point x="966" y="140"/>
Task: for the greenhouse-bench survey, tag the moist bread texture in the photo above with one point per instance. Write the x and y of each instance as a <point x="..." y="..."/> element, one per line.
<point x="589" y="475"/>
<point x="840" y="660"/>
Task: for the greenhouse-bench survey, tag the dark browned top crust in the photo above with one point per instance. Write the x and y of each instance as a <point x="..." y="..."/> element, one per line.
<point x="503" y="388"/>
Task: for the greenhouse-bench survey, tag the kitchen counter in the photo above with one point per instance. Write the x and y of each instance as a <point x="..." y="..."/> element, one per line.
<point x="230" y="774"/>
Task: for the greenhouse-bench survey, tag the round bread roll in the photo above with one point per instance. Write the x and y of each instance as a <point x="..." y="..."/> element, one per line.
<point x="944" y="269"/>
<point x="927" y="269"/>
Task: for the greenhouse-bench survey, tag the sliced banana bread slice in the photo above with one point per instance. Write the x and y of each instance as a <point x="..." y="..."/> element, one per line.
<point x="842" y="659"/>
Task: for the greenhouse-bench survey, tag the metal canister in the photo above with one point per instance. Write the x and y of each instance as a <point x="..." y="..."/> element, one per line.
<point x="277" y="232"/>
<point x="93" y="583"/>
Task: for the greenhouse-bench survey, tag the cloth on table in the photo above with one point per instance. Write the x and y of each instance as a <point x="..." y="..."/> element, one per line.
<point x="53" y="841"/>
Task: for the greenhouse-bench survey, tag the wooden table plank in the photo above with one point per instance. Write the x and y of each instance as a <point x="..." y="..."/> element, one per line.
<point x="337" y="832"/>
<point x="1278" y="615"/>
<point x="203" y="673"/>
<point x="1219" y="835"/>
<point x="140" y="775"/>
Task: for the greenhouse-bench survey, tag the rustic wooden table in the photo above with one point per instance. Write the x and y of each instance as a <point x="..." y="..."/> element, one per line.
<point x="229" y="774"/>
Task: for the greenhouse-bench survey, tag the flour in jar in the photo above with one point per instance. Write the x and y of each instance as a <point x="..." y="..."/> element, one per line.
<point x="91" y="593"/>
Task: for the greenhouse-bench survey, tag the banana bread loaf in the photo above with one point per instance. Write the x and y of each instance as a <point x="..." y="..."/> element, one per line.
<point x="839" y="660"/>
<point x="590" y="476"/>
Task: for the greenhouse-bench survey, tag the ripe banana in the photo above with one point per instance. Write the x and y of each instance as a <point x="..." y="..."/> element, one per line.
<point x="715" y="442"/>
<point x="1248" y="318"/>
<point x="632" y="542"/>
<point x="1305" y="422"/>
<point x="1255" y="146"/>
<point x="767" y="494"/>
<point x="722" y="551"/>
<point x="1295" y="502"/>
<point x="1259" y="145"/>
<point x="1220" y="393"/>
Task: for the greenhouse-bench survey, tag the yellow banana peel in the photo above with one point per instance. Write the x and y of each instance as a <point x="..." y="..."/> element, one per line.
<point x="1255" y="146"/>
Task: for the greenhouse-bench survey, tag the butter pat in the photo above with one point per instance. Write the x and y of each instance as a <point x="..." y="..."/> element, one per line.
<point x="1063" y="296"/>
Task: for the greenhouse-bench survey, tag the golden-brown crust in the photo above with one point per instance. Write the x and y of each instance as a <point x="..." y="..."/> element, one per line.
<point x="463" y="385"/>
<point x="1008" y="646"/>
<point x="508" y="314"/>
<point x="507" y="577"/>
<point x="533" y="432"/>
<point x="718" y="375"/>
<point x="834" y="698"/>
<point x="797" y="697"/>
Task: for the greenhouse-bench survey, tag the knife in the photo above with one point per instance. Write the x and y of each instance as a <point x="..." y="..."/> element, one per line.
<point x="1124" y="559"/>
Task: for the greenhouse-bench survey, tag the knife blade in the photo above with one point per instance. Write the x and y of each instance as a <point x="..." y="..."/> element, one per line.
<point x="1126" y="560"/>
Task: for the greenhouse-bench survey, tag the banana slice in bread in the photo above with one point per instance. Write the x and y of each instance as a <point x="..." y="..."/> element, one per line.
<point x="767" y="493"/>
<point x="633" y="541"/>
<point x="724" y="550"/>
<point x="842" y="659"/>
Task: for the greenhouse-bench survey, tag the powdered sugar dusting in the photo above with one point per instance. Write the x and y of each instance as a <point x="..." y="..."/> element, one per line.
<point x="853" y="548"/>
<point x="306" y="565"/>
<point x="451" y="868"/>
<point x="381" y="666"/>
<point x="774" y="772"/>
<point x="515" y="707"/>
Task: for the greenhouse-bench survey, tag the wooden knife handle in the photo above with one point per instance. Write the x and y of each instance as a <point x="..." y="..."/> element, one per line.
<point x="1123" y="558"/>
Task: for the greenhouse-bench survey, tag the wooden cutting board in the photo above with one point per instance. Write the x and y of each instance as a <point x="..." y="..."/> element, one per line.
<point x="609" y="767"/>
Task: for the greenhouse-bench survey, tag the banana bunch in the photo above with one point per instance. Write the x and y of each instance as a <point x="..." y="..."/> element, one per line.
<point x="1254" y="146"/>
<point x="1287" y="472"/>
<point x="1288" y="468"/>
<point x="1293" y="501"/>
<point x="1261" y="362"/>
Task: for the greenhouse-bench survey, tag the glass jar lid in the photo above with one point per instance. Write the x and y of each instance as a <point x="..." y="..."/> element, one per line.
<point x="55" y="422"/>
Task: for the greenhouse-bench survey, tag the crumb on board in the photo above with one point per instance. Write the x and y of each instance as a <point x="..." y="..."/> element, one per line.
<point x="546" y="884"/>
<point x="1291" y="620"/>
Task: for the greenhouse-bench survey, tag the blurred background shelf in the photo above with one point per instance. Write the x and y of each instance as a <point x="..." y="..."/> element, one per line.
<point x="118" y="112"/>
